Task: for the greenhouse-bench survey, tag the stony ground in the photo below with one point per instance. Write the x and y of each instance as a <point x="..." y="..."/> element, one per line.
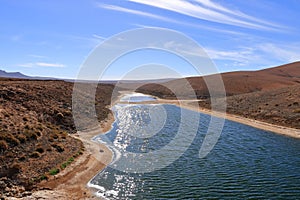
<point x="35" y="123"/>
<point x="279" y="106"/>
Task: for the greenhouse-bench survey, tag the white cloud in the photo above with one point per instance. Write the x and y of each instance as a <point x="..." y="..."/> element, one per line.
<point x="240" y="55"/>
<point x="135" y="12"/>
<point x="264" y="54"/>
<point x="42" y="64"/>
<point x="285" y="53"/>
<point x="198" y="26"/>
<point x="207" y="10"/>
<point x="185" y="49"/>
<point x="99" y="37"/>
<point x="220" y="8"/>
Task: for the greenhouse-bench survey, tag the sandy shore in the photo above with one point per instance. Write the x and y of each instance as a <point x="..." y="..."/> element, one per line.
<point x="71" y="183"/>
<point x="291" y="132"/>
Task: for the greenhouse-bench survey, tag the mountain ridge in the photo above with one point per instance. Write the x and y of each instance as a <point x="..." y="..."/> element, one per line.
<point x="5" y="74"/>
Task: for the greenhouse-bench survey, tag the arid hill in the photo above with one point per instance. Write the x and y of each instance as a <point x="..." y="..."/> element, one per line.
<point x="35" y="126"/>
<point x="235" y="82"/>
<point x="271" y="95"/>
<point x="277" y="106"/>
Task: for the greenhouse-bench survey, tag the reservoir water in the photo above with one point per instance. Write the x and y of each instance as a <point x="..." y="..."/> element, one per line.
<point x="246" y="163"/>
<point x="137" y="97"/>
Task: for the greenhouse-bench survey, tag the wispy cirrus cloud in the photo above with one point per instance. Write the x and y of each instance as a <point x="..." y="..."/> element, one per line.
<point x="199" y="26"/>
<point x="218" y="7"/>
<point x="42" y="64"/>
<point x="99" y="37"/>
<point x="206" y="10"/>
<point x="257" y="54"/>
<point x="201" y="10"/>
<point x="243" y="55"/>
<point x="286" y="53"/>
<point x="263" y="54"/>
<point x="135" y="12"/>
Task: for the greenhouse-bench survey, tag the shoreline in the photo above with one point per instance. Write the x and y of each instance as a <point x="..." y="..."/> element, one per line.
<point x="281" y="130"/>
<point x="72" y="183"/>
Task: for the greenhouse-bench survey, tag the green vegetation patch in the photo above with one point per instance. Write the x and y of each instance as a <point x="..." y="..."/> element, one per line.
<point x="54" y="171"/>
<point x="65" y="164"/>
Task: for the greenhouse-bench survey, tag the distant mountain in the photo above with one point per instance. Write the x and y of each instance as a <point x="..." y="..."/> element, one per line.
<point x="18" y="75"/>
<point x="5" y="74"/>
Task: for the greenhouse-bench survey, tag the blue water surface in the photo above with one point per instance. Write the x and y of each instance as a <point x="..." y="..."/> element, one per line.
<point x="246" y="163"/>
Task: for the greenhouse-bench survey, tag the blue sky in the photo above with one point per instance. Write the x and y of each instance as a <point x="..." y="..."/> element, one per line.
<point x="53" y="38"/>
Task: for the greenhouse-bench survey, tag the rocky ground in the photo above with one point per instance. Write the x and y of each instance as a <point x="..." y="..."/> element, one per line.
<point x="280" y="107"/>
<point x="35" y="126"/>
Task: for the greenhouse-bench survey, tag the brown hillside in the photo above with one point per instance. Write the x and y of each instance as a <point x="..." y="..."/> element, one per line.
<point x="262" y="80"/>
<point x="35" y="123"/>
<point x="235" y="82"/>
<point x="271" y="95"/>
<point x="279" y="106"/>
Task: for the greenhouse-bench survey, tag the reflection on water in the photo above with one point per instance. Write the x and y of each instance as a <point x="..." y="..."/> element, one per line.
<point x="137" y="97"/>
<point x="247" y="163"/>
<point x="148" y="120"/>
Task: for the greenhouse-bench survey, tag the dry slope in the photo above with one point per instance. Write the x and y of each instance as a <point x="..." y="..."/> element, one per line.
<point x="35" y="123"/>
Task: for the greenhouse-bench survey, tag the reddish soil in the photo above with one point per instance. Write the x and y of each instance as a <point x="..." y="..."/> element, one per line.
<point x="35" y="123"/>
<point x="270" y="95"/>
<point x="280" y="106"/>
<point x="235" y="82"/>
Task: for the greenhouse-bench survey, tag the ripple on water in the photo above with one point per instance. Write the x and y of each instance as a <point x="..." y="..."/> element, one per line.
<point x="246" y="163"/>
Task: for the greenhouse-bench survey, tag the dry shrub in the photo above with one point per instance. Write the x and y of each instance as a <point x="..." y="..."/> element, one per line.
<point x="14" y="170"/>
<point x="30" y="134"/>
<point x="3" y="145"/>
<point x="40" y="149"/>
<point x="58" y="147"/>
<point x="10" y="139"/>
<point x="35" y="155"/>
<point x="22" y="138"/>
